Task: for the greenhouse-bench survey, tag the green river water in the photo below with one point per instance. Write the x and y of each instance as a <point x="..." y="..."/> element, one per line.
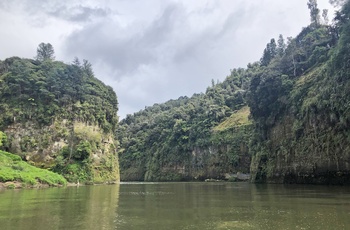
<point x="177" y="206"/>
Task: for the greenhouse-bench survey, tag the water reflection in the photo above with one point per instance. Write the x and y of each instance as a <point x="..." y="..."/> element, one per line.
<point x="233" y="206"/>
<point x="87" y="207"/>
<point x="177" y="206"/>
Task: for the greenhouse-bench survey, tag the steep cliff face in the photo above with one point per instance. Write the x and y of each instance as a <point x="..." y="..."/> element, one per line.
<point x="60" y="117"/>
<point x="304" y="138"/>
<point x="214" y="162"/>
<point x="320" y="156"/>
<point x="225" y="154"/>
<point x="79" y="151"/>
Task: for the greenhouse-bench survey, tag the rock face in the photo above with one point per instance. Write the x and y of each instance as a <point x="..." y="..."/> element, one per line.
<point x="168" y="149"/>
<point x="59" y="116"/>
<point x="302" y="130"/>
<point x="212" y="162"/>
<point x="320" y="156"/>
<point x="65" y="143"/>
<point x="202" y="163"/>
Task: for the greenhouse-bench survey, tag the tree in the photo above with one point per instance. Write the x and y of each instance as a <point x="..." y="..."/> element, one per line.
<point x="314" y="12"/>
<point x="281" y="46"/>
<point x="325" y="16"/>
<point x="76" y="62"/>
<point x="45" y="52"/>
<point x="87" y="68"/>
<point x="269" y="53"/>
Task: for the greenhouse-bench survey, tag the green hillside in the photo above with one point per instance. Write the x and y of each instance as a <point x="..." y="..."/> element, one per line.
<point x="302" y="125"/>
<point x="283" y="119"/>
<point x="183" y="140"/>
<point x="60" y="117"/>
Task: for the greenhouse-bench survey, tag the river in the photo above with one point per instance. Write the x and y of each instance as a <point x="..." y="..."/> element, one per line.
<point x="177" y="206"/>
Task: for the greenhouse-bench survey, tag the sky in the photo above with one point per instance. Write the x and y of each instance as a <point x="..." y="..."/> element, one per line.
<point x="151" y="51"/>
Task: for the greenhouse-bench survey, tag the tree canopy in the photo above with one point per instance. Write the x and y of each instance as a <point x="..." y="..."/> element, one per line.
<point x="45" y="52"/>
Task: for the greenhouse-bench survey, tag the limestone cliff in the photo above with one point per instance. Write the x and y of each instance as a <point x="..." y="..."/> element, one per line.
<point x="60" y="117"/>
<point x="75" y="149"/>
<point x="224" y="155"/>
<point x="301" y="132"/>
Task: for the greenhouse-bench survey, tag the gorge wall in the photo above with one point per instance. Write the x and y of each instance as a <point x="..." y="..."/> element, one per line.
<point x="303" y="137"/>
<point x="60" y="117"/>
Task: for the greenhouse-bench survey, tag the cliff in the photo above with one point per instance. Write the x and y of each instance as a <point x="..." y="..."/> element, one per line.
<point x="59" y="117"/>
<point x="303" y="137"/>
<point x="176" y="143"/>
<point x="298" y="97"/>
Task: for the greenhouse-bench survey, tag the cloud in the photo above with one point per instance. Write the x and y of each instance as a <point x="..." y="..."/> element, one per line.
<point x="78" y="13"/>
<point x="151" y="51"/>
<point x="153" y="62"/>
<point x="125" y="49"/>
<point x="40" y="12"/>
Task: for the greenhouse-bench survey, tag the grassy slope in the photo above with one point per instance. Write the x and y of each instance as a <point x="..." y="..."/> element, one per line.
<point x="239" y="118"/>
<point x="12" y="168"/>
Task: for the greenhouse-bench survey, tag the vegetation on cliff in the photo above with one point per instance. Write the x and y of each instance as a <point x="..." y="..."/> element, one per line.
<point x="183" y="140"/>
<point x="42" y="91"/>
<point x="12" y="168"/>
<point x="299" y="104"/>
<point x="284" y="118"/>
<point x="59" y="116"/>
<point x="298" y="132"/>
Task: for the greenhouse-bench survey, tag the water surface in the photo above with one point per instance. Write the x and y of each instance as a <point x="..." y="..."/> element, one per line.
<point x="177" y="206"/>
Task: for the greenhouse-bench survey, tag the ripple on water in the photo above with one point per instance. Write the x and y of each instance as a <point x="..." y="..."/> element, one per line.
<point x="235" y="224"/>
<point x="147" y="193"/>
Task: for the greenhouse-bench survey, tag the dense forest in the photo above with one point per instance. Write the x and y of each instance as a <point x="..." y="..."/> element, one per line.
<point x="59" y="116"/>
<point x="301" y="132"/>
<point x="283" y="118"/>
<point x="185" y="139"/>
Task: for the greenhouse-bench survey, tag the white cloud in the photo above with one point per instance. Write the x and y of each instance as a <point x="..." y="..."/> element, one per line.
<point x="151" y="51"/>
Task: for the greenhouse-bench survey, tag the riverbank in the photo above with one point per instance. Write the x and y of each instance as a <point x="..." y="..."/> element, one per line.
<point x="15" y="173"/>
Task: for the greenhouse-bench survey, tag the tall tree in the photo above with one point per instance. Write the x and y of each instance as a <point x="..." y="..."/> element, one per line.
<point x="314" y="12"/>
<point x="325" y="16"/>
<point x="76" y="62"/>
<point x="45" y="52"/>
<point x="281" y="46"/>
<point x="269" y="53"/>
<point x="87" y="68"/>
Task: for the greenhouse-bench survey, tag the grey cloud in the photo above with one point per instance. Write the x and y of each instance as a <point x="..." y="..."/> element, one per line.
<point x="78" y="13"/>
<point x="160" y="30"/>
<point x="101" y="43"/>
<point x="204" y="42"/>
<point x="41" y="10"/>
<point x="123" y="50"/>
<point x="169" y="42"/>
<point x="150" y="52"/>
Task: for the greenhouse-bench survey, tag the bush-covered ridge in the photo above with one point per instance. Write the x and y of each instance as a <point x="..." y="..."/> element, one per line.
<point x="12" y="168"/>
<point x="59" y="116"/>
<point x="41" y="90"/>
<point x="298" y="133"/>
<point x="300" y="109"/>
<point x="166" y="141"/>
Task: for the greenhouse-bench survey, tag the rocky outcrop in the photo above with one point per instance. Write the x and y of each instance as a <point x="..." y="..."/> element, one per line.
<point x="59" y="116"/>
<point x="63" y="143"/>
<point x="214" y="162"/>
<point x="230" y="157"/>
<point x="319" y="156"/>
